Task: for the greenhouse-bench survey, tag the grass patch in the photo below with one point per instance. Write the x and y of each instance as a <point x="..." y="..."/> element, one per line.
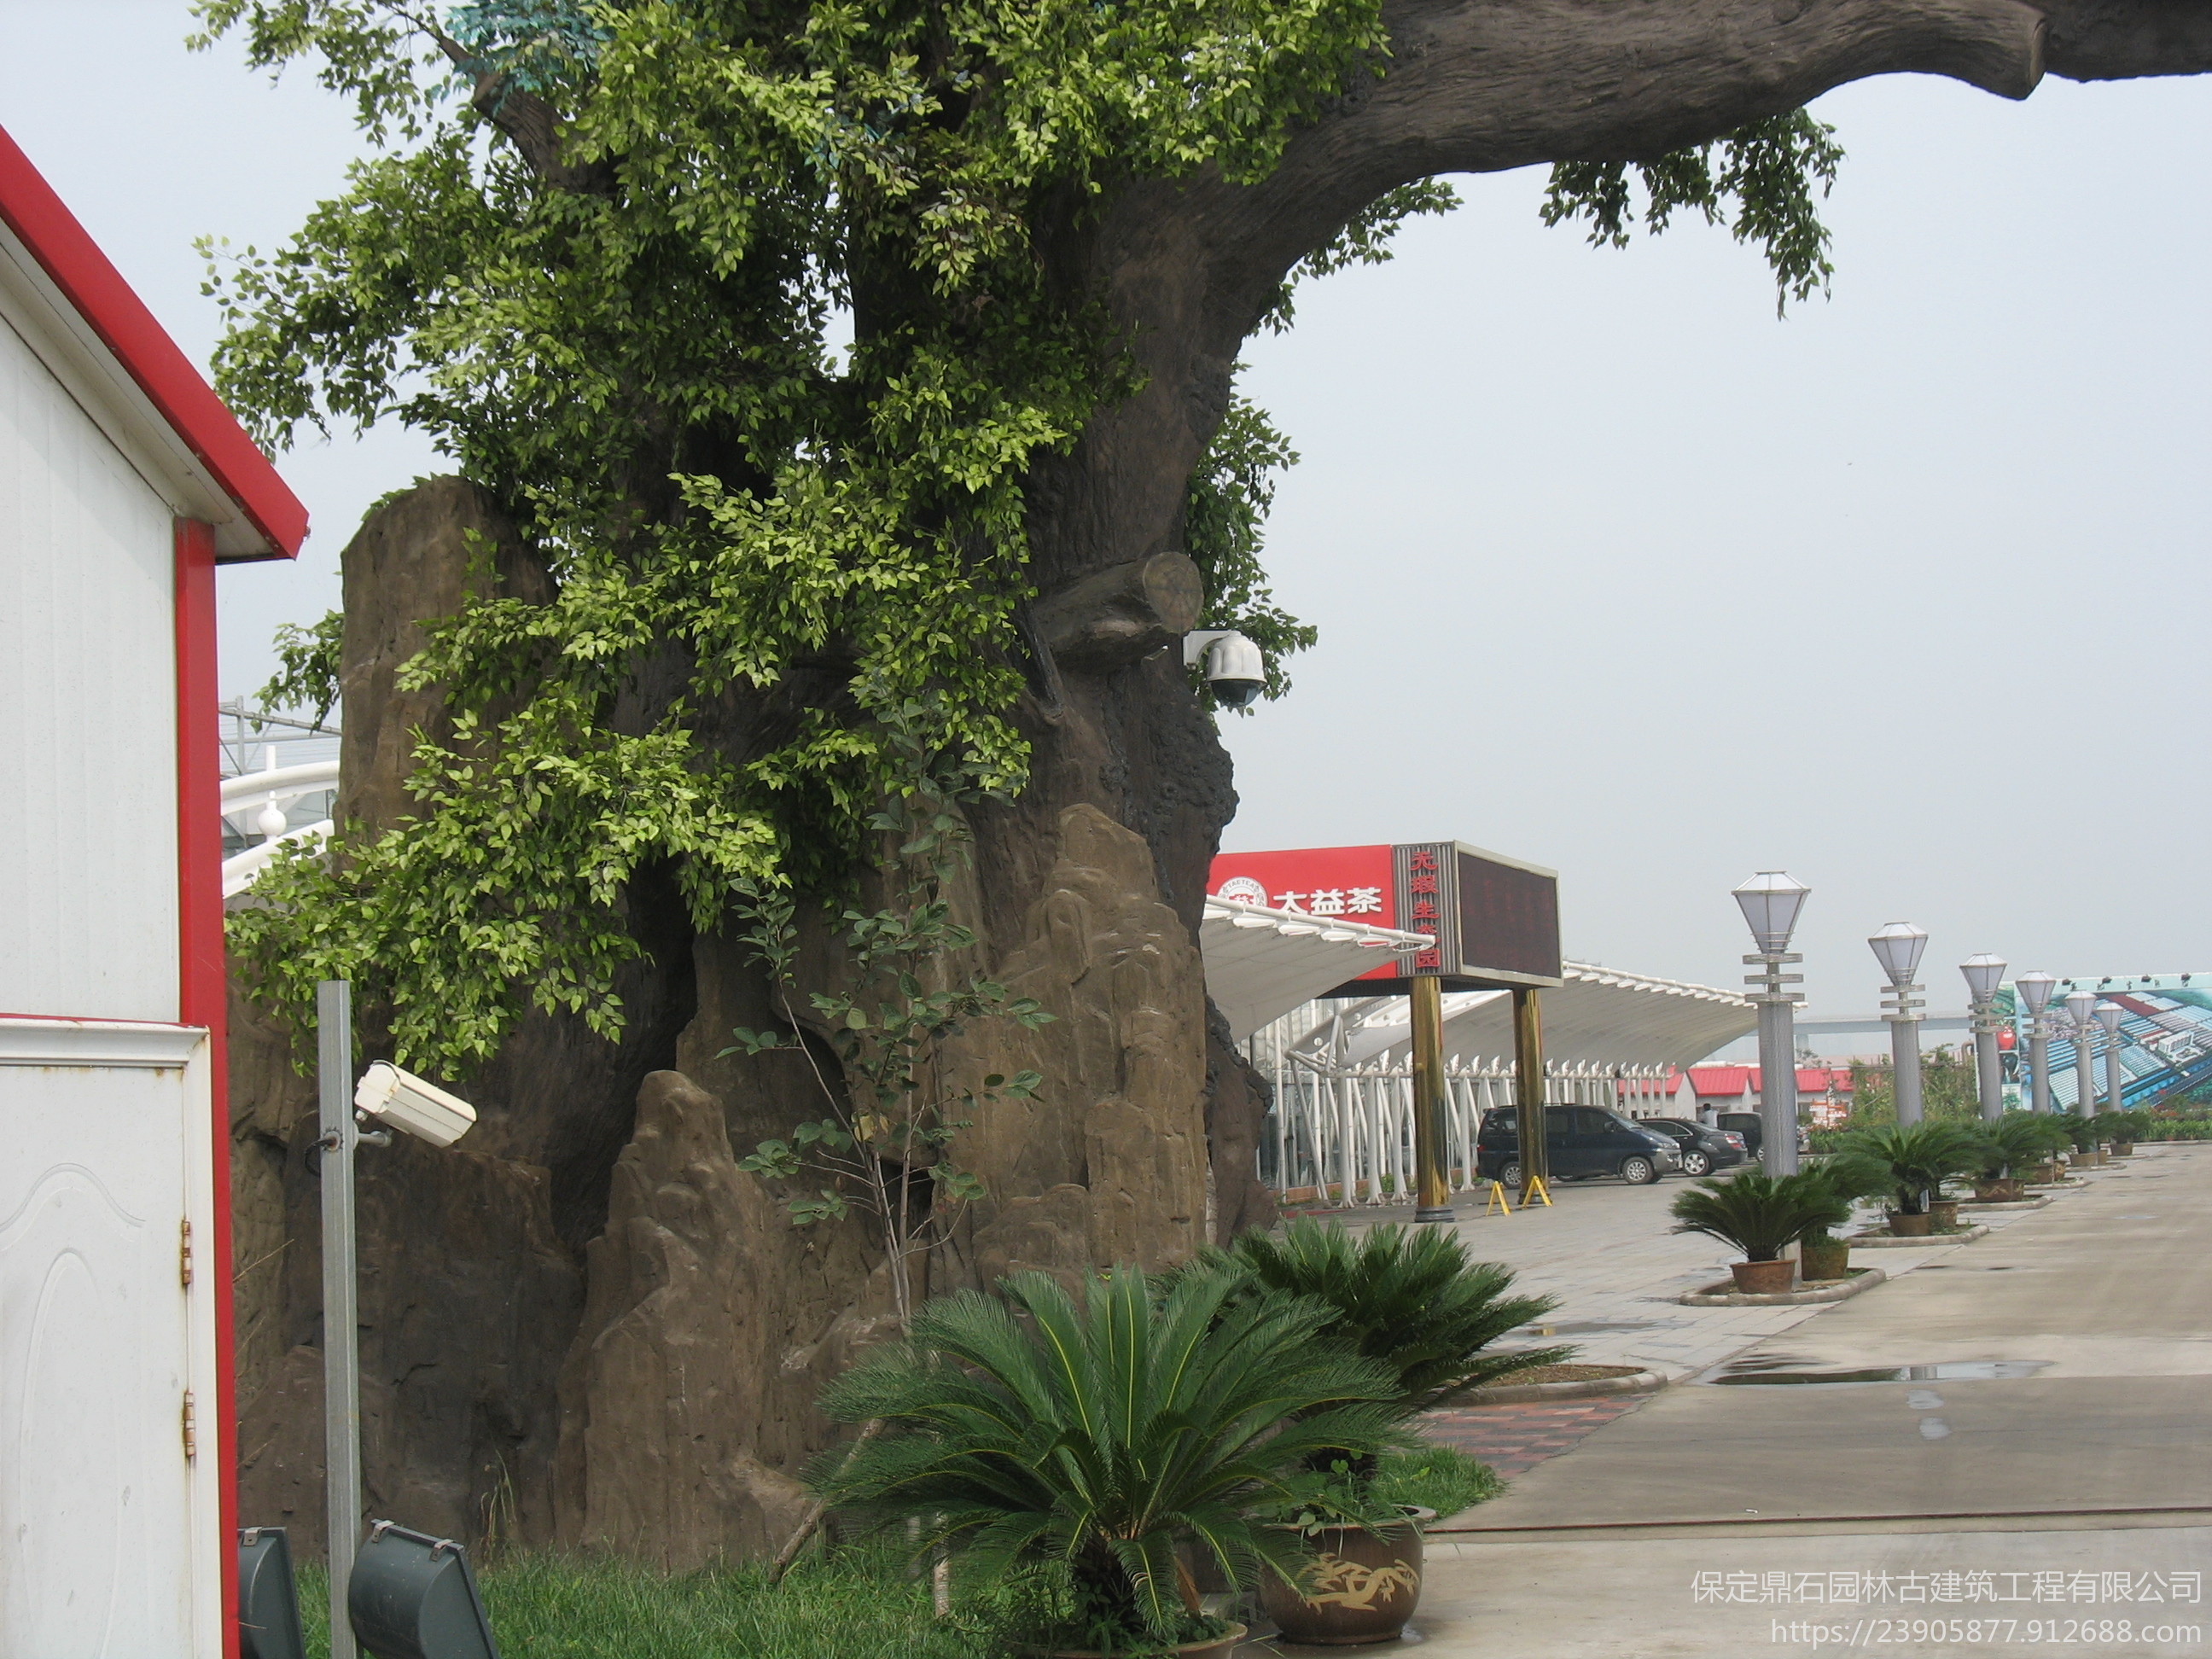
<point x="1436" y="1477"/>
<point x="854" y="1604"/>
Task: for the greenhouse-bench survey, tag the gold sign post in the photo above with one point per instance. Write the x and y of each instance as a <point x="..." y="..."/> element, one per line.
<point x="1433" y="1200"/>
<point x="1529" y="1091"/>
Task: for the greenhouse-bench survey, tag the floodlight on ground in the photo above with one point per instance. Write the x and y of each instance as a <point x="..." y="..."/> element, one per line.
<point x="412" y="1596"/>
<point x="268" y="1597"/>
<point x="1771" y="901"/>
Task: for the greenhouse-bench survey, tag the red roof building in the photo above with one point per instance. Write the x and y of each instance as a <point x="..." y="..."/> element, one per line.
<point x="123" y="483"/>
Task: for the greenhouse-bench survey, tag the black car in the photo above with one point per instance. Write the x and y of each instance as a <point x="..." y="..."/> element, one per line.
<point x="1582" y="1140"/>
<point x="1753" y="1129"/>
<point x="1747" y="1124"/>
<point x="1703" y="1150"/>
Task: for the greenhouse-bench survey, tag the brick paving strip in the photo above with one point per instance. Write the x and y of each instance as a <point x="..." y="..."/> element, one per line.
<point x="1514" y="1439"/>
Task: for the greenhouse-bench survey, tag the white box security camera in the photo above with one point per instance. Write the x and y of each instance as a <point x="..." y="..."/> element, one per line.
<point x="406" y="1102"/>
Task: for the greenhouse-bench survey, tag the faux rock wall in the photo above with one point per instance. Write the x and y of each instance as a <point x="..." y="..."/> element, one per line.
<point x="585" y="1327"/>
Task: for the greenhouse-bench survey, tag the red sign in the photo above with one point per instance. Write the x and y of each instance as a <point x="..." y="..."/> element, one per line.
<point x="1347" y="884"/>
<point x="1495" y="920"/>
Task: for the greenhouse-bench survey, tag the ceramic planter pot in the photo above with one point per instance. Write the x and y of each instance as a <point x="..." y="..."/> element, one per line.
<point x="1825" y="1258"/>
<point x="1359" y="1587"/>
<point x="1213" y="1647"/>
<point x="1764" y="1277"/>
<point x="1902" y="1225"/>
<point x="1944" y="1213"/>
<point x="2123" y="1149"/>
<point x="2009" y="1190"/>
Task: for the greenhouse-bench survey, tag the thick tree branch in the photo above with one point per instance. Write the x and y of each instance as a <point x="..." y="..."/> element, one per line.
<point x="1480" y="86"/>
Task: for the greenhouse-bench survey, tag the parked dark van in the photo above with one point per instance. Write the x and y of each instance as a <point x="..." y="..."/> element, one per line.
<point x="1582" y="1140"/>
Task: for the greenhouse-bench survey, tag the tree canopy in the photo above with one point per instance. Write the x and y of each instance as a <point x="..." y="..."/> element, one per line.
<point x="600" y="252"/>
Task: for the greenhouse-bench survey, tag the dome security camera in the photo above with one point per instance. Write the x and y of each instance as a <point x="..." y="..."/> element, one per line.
<point x="1235" y="669"/>
<point x="406" y="1102"/>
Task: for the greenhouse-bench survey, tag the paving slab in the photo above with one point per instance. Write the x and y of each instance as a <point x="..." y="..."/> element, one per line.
<point x="1992" y="1515"/>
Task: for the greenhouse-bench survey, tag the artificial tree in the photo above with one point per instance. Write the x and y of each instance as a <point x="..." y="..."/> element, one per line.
<point x="602" y="273"/>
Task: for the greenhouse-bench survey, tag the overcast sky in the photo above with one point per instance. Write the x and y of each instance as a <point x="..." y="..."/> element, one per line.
<point x="1615" y="571"/>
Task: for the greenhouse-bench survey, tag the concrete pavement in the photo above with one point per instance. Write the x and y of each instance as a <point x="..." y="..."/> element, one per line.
<point x="1940" y="1498"/>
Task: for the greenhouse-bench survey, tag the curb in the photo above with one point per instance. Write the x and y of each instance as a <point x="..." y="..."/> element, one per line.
<point x="1933" y="1241"/>
<point x="1519" y="1394"/>
<point x="1966" y="1203"/>
<point x="1865" y="1280"/>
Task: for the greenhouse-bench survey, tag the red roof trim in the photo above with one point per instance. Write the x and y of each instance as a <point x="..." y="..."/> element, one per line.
<point x="74" y="261"/>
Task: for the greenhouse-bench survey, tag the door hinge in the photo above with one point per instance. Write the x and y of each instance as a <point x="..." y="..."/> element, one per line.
<point x="191" y="1428"/>
<point x="185" y="1253"/>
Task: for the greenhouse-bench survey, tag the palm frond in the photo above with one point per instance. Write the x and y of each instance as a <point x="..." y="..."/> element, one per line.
<point x="1410" y="1298"/>
<point x="1105" y="1432"/>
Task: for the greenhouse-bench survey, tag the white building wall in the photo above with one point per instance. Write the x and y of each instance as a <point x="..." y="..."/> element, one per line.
<point x="87" y="713"/>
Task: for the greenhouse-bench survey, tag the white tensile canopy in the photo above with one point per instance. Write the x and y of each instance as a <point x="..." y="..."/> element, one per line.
<point x="1261" y="963"/>
<point x="1600" y="1014"/>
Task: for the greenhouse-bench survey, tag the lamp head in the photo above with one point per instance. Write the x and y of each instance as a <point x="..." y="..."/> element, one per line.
<point x="1984" y="973"/>
<point x="2035" y="991"/>
<point x="2109" y="1015"/>
<point x="1897" y="947"/>
<point x="2078" y="1004"/>
<point x="1771" y="901"/>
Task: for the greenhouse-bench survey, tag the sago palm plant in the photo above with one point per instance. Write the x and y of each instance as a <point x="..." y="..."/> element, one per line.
<point x="1920" y="1156"/>
<point x="1761" y="1215"/>
<point x="1093" y="1438"/>
<point x="2015" y="1141"/>
<point x="1411" y="1299"/>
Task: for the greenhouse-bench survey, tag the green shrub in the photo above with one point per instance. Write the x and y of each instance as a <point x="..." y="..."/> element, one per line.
<point x="1920" y="1158"/>
<point x="2015" y="1142"/>
<point x="1759" y="1214"/>
<point x="1067" y="1452"/>
<point x="1410" y="1298"/>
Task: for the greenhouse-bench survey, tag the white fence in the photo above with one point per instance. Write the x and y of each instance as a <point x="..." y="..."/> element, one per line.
<point x="1348" y="1130"/>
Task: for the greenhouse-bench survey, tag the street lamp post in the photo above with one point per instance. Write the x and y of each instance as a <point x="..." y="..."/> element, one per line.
<point x="1984" y="973"/>
<point x="2034" y="991"/>
<point x="2080" y="1006"/>
<point x="1770" y="903"/>
<point x="2110" y="1015"/>
<point x="1897" y="947"/>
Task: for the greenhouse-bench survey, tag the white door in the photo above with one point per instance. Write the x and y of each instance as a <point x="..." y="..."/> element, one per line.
<point x="106" y="1503"/>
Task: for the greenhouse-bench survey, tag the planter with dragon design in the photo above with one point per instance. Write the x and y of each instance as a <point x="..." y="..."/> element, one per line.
<point x="1359" y="1587"/>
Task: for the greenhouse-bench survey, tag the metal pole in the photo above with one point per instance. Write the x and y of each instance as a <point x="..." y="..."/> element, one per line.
<point x="2115" y="1081"/>
<point x="1432" y="1201"/>
<point x="1904" y="1058"/>
<point x="1528" y="1088"/>
<point x="2085" y="1069"/>
<point x="1778" y="1086"/>
<point x="2038" y="1062"/>
<point x="341" y="1316"/>
<point x="1988" y="1065"/>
